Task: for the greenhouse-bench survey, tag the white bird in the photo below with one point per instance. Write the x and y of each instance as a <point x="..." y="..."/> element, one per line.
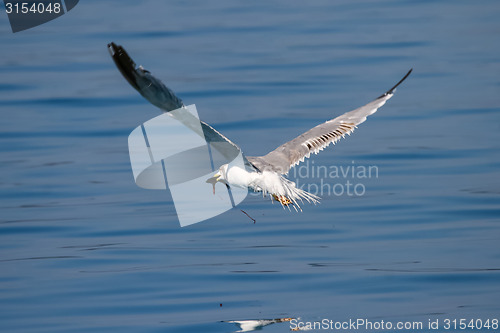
<point x="266" y="174"/>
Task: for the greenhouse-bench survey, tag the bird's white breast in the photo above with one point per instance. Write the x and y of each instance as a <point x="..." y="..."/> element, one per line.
<point x="240" y="177"/>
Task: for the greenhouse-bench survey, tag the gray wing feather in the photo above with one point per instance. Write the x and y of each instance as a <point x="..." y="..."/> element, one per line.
<point x="318" y="138"/>
<point x="164" y="98"/>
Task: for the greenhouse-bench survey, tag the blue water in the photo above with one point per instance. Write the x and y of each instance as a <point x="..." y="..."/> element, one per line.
<point x="83" y="249"/>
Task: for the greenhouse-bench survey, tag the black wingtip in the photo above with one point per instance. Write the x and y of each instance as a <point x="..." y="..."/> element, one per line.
<point x="390" y="91"/>
<point x="124" y="62"/>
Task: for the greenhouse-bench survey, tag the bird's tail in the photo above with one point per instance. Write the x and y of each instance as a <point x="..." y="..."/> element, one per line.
<point x="292" y="195"/>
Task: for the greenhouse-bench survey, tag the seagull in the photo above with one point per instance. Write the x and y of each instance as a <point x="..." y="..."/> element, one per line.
<point x="267" y="173"/>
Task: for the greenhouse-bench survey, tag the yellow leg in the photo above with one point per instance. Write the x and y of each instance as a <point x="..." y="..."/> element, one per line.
<point x="282" y="199"/>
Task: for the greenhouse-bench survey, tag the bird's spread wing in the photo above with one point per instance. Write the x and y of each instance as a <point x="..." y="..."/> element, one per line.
<point x="146" y="84"/>
<point x="161" y="96"/>
<point x="318" y="138"/>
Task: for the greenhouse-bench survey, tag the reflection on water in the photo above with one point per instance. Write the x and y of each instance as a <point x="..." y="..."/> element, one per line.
<point x="82" y="248"/>
<point x="256" y="324"/>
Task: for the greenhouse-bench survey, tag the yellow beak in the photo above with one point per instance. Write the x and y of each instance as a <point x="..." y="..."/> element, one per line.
<point x="213" y="180"/>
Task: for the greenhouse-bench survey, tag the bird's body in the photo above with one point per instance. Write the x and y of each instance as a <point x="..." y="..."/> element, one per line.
<point x="267" y="173"/>
<point x="266" y="181"/>
<point x="240" y="177"/>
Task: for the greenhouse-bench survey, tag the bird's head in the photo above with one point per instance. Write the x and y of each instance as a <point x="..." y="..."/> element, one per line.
<point x="220" y="176"/>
